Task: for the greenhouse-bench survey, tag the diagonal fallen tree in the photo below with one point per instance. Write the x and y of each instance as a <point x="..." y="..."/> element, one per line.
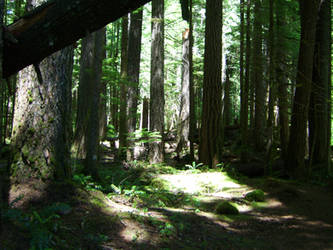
<point x="55" y="25"/>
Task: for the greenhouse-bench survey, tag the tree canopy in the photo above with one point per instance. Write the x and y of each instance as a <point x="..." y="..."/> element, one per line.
<point x="55" y="25"/>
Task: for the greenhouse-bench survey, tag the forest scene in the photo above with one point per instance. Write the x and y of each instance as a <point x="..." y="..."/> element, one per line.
<point x="166" y="124"/>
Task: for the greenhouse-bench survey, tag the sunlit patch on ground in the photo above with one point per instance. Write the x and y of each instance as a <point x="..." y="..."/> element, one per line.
<point x="196" y="183"/>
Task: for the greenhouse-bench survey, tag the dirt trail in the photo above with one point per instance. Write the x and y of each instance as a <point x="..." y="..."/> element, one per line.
<point x="292" y="217"/>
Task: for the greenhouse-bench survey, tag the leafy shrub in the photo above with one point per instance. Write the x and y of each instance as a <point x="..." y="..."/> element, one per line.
<point x="40" y="226"/>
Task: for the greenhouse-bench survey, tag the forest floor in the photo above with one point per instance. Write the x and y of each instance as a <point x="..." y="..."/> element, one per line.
<point x="141" y="206"/>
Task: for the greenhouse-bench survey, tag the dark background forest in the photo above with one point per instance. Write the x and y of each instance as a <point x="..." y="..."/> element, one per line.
<point x="166" y="124"/>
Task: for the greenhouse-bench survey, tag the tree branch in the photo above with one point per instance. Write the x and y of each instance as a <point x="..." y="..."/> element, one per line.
<point x="55" y="25"/>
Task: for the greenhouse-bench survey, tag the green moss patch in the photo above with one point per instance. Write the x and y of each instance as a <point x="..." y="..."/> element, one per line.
<point x="256" y="195"/>
<point x="226" y="207"/>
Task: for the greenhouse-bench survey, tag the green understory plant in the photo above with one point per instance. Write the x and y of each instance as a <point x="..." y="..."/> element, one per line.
<point x="41" y="227"/>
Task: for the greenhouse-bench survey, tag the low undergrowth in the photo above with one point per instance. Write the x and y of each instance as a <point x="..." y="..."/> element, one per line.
<point x="140" y="206"/>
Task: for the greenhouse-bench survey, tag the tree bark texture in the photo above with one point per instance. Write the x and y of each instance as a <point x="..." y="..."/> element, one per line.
<point x="92" y="132"/>
<point x="42" y="119"/>
<point x="87" y="125"/>
<point x="156" y="148"/>
<point x="103" y="96"/>
<point x="133" y="72"/>
<point x="281" y="78"/>
<point x="318" y="112"/>
<point x="114" y="89"/>
<point x="123" y="89"/>
<point x="184" y="116"/>
<point x="296" y="147"/>
<point x="133" y="69"/>
<point x="271" y="70"/>
<point x="102" y="111"/>
<point x="243" y="91"/>
<point x="227" y="114"/>
<point x="192" y="125"/>
<point x="245" y="103"/>
<point x="257" y="78"/>
<point x="3" y="165"/>
<point x="329" y="133"/>
<point x="210" y="148"/>
<point x="145" y="114"/>
<point x="57" y="24"/>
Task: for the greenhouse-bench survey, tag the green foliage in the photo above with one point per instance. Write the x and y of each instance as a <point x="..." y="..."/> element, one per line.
<point x="97" y="239"/>
<point x="111" y="131"/>
<point x="167" y="229"/>
<point x="41" y="226"/>
<point x="256" y="195"/>
<point x="194" y="166"/>
<point x="145" y="136"/>
<point x="86" y="182"/>
<point x="226" y="207"/>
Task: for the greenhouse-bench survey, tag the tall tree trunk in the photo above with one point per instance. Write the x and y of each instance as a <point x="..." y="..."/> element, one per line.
<point x="103" y="97"/>
<point x="102" y="111"/>
<point x="92" y="132"/>
<point x="192" y="94"/>
<point x="244" y="92"/>
<point x="114" y="100"/>
<point x="318" y="112"/>
<point x="87" y="125"/>
<point x="245" y="95"/>
<point x="257" y="78"/>
<point x="145" y="114"/>
<point x="249" y="70"/>
<point x="123" y="89"/>
<point x="42" y="119"/>
<point x="227" y="114"/>
<point x="296" y="147"/>
<point x="133" y="71"/>
<point x="271" y="70"/>
<point x="184" y="116"/>
<point x="210" y="148"/>
<point x="156" y="148"/>
<point x="329" y="131"/>
<point x="2" y="104"/>
<point x="281" y="78"/>
<point x="3" y="166"/>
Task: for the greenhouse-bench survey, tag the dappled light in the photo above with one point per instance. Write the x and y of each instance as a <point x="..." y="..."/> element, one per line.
<point x="163" y="124"/>
<point x="195" y="183"/>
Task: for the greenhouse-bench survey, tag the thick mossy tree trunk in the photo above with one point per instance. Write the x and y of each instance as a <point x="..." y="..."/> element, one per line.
<point x="156" y="148"/>
<point x="87" y="124"/>
<point x="133" y="72"/>
<point x="42" y="119"/>
<point x="184" y="116"/>
<point x="318" y="112"/>
<point x="296" y="148"/>
<point x="211" y="134"/>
